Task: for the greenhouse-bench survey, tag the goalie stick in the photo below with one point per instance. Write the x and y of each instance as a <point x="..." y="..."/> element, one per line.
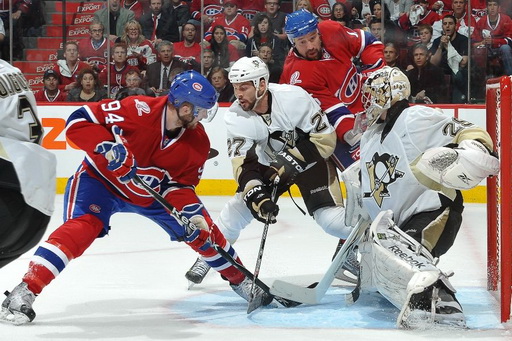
<point x="315" y="292"/>
<point x="190" y="226"/>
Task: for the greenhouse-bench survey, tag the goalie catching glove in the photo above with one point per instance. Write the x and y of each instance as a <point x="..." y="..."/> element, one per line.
<point x="120" y="159"/>
<point x="260" y="203"/>
<point x="462" y="167"/>
<point x="287" y="166"/>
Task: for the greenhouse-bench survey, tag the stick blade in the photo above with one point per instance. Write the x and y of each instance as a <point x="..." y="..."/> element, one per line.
<point x="294" y="292"/>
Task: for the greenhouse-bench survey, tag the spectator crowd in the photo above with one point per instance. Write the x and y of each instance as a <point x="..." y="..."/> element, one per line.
<point x="143" y="44"/>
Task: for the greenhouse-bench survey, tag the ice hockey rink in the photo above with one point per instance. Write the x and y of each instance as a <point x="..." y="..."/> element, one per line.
<point x="130" y="285"/>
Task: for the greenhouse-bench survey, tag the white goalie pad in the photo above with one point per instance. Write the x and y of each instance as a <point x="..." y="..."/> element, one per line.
<point x="463" y="167"/>
<point x="395" y="265"/>
<point x="354" y="210"/>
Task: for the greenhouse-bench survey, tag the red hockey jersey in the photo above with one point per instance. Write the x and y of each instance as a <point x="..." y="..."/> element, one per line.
<point x="501" y="30"/>
<point x="334" y="79"/>
<point x="88" y="53"/>
<point x="211" y="8"/>
<point x="162" y="162"/>
<point x="187" y="54"/>
<point x="236" y="29"/>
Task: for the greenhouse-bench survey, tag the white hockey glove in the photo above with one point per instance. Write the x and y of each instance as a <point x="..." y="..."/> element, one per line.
<point x="353" y="136"/>
<point x="354" y="209"/>
<point x="462" y="167"/>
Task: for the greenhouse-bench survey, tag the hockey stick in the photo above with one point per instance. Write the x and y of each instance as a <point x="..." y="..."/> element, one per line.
<point x="314" y="293"/>
<point x="253" y="305"/>
<point x="191" y="226"/>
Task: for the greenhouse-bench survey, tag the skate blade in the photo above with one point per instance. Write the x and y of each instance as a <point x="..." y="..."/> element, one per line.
<point x="346" y="276"/>
<point x="13" y="318"/>
<point x="190" y="285"/>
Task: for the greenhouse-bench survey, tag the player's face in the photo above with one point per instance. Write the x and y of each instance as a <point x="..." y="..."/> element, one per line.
<point x="245" y="93"/>
<point x="420" y="57"/>
<point x="309" y="46"/>
<point x="189" y="32"/>
<point x="186" y="115"/>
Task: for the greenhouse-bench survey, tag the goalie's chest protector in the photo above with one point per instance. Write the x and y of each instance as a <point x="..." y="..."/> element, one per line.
<point x="387" y="181"/>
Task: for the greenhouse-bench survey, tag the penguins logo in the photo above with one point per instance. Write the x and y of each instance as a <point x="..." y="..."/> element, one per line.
<point x="382" y="172"/>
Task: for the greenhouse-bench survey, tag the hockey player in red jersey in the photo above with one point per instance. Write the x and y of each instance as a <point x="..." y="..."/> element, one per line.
<point x="160" y="140"/>
<point x="324" y="68"/>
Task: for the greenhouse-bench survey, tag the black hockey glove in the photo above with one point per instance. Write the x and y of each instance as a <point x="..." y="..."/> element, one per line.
<point x="287" y="166"/>
<point x="260" y="204"/>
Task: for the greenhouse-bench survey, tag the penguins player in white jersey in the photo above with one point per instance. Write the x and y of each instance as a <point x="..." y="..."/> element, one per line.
<point x="27" y="170"/>
<point x="277" y="129"/>
<point x="414" y="162"/>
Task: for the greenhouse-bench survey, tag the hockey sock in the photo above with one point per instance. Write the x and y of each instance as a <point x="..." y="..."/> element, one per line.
<point x="69" y="241"/>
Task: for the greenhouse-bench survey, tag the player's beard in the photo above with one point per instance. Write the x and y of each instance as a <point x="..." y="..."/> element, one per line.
<point x="246" y="105"/>
<point x="313" y="54"/>
<point x="188" y="121"/>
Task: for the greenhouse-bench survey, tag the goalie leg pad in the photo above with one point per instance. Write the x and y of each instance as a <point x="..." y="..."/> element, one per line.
<point x="403" y="272"/>
<point x="354" y="204"/>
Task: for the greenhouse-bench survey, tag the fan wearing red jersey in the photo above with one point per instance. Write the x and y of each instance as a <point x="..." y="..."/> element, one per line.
<point x="310" y="64"/>
<point x="161" y="141"/>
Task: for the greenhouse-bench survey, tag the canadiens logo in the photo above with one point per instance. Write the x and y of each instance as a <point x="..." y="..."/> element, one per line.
<point x="294" y="79"/>
<point x="95" y="208"/>
<point x="382" y="172"/>
<point x="350" y="87"/>
<point x="324" y="9"/>
<point x="197" y="86"/>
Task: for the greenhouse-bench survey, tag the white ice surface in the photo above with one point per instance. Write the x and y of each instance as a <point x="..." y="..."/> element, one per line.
<point x="130" y="285"/>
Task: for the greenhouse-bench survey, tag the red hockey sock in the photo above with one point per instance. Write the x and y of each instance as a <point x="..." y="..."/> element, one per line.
<point x="69" y="241"/>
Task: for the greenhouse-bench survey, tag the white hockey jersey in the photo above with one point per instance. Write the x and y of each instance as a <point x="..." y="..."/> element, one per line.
<point x="293" y="110"/>
<point x="387" y="178"/>
<point x="20" y="135"/>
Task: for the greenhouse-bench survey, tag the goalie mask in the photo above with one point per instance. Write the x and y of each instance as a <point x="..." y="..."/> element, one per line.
<point x="382" y="89"/>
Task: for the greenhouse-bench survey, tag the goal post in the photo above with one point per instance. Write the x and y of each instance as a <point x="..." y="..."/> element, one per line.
<point x="499" y="196"/>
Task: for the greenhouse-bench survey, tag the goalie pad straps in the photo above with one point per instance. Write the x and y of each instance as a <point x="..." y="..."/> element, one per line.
<point x="463" y="167"/>
<point x="390" y="266"/>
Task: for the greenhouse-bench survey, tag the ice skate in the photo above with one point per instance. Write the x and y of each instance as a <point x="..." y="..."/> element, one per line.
<point x="349" y="271"/>
<point x="434" y="306"/>
<point x="17" y="307"/>
<point x="197" y="272"/>
<point x="260" y="298"/>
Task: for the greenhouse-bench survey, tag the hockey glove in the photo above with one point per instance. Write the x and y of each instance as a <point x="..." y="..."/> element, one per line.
<point x="260" y="204"/>
<point x="287" y="166"/>
<point x="198" y="239"/>
<point x="120" y="159"/>
<point x="462" y="167"/>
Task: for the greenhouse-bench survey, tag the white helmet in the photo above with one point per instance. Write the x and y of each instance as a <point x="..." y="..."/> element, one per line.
<point x="382" y="89"/>
<point x="249" y="69"/>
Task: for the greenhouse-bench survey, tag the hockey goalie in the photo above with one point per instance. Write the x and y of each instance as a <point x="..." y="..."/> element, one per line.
<point x="415" y="161"/>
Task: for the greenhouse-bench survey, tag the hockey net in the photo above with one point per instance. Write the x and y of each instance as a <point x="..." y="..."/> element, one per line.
<point x="499" y="196"/>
